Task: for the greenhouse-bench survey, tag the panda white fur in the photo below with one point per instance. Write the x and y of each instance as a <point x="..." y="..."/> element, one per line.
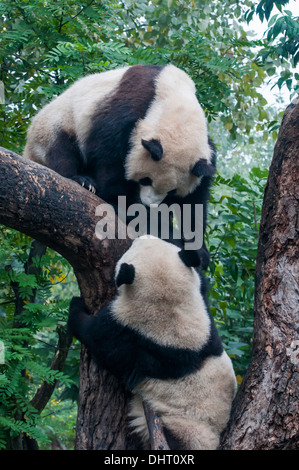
<point x="158" y="337"/>
<point x="137" y="131"/>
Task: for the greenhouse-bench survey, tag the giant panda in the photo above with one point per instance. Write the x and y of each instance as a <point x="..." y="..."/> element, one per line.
<point x="137" y="131"/>
<point x="159" y="338"/>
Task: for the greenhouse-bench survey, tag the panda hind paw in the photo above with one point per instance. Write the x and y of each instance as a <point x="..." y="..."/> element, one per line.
<point x="86" y="183"/>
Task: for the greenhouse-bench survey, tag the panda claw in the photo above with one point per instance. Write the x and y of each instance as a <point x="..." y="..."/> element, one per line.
<point x="92" y="189"/>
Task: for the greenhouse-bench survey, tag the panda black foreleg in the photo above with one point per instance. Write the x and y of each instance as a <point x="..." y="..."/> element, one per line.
<point x="204" y="257"/>
<point x="79" y="321"/>
<point x="111" y="344"/>
<point x="94" y="331"/>
<point x="193" y="221"/>
<point x="64" y="157"/>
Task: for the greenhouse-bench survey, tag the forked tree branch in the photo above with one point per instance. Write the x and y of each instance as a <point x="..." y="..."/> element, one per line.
<point x="45" y="391"/>
<point x="59" y="213"/>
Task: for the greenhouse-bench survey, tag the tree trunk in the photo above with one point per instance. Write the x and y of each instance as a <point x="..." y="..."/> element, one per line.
<point x="266" y="412"/>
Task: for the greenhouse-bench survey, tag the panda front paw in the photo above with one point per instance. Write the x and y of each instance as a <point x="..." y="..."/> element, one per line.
<point x="85" y="182"/>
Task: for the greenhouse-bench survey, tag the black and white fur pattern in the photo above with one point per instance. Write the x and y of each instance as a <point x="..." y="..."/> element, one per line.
<point x="137" y="131"/>
<point x="158" y="337"/>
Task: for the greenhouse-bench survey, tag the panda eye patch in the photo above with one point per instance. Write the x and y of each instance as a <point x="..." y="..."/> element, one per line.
<point x="145" y="181"/>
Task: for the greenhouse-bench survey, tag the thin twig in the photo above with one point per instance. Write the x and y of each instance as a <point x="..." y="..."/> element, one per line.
<point x="157" y="438"/>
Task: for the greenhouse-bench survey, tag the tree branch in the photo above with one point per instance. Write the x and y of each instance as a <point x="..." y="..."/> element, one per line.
<point x="157" y="438"/>
<point x="44" y="393"/>
<point x="61" y="214"/>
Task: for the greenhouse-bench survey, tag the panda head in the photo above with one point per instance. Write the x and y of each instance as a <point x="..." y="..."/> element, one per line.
<point x="155" y="262"/>
<point x="170" y="150"/>
<point x="153" y="270"/>
<point x="159" y="293"/>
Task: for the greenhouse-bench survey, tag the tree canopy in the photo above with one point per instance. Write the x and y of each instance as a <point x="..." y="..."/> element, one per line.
<point x="47" y="45"/>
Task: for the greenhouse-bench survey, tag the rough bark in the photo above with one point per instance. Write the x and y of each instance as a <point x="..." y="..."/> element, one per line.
<point x="266" y="409"/>
<point x="59" y="213"/>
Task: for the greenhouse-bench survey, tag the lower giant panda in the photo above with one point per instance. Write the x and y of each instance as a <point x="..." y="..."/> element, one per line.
<point x="158" y="337"/>
<point x="136" y="131"/>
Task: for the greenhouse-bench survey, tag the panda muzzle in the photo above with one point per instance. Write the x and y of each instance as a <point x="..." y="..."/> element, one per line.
<point x="149" y="197"/>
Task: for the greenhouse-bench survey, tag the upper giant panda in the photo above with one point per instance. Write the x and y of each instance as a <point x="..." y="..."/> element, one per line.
<point x="158" y="337"/>
<point x="136" y="131"/>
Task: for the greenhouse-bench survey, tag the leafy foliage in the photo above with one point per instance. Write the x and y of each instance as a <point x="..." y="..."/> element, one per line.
<point x="281" y="48"/>
<point x="44" y="47"/>
<point x="28" y="332"/>
<point x="214" y="49"/>
<point x="265" y="7"/>
<point x="235" y="211"/>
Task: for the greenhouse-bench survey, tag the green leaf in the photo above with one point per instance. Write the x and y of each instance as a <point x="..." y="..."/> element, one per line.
<point x="259" y="172"/>
<point x="272" y="20"/>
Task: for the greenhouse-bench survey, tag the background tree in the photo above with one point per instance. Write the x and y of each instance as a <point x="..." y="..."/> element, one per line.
<point x="265" y="413"/>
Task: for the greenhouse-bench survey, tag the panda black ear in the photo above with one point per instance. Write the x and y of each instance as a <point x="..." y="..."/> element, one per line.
<point x="125" y="275"/>
<point x="203" y="168"/>
<point x="154" y="147"/>
<point x="190" y="258"/>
